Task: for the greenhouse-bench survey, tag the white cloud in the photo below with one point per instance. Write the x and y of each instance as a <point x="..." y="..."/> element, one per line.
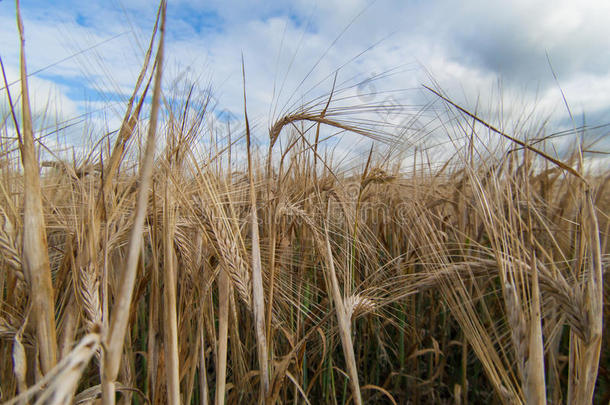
<point x="466" y="49"/>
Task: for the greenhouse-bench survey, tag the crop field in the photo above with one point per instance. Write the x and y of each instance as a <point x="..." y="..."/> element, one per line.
<point x="170" y="265"/>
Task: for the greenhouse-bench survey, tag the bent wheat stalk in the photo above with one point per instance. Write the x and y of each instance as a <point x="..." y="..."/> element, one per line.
<point x="344" y="324"/>
<point x="585" y="353"/>
<point x="120" y="315"/>
<point x="60" y="383"/>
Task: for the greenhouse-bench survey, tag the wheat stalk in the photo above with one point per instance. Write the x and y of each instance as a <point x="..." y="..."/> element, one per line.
<point x="169" y="297"/>
<point x="35" y="257"/>
<point x="258" y="295"/>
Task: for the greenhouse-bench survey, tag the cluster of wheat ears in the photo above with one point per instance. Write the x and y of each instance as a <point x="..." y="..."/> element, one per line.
<point x="160" y="275"/>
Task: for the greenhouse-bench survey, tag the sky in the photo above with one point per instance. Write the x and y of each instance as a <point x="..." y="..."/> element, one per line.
<point x="503" y="59"/>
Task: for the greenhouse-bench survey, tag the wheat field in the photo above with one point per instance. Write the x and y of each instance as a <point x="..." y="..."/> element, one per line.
<point x="157" y="268"/>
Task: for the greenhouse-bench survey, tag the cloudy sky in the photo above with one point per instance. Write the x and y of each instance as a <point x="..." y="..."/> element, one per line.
<point x="84" y="56"/>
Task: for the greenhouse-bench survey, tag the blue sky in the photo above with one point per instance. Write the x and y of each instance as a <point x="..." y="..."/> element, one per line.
<point x="472" y="49"/>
